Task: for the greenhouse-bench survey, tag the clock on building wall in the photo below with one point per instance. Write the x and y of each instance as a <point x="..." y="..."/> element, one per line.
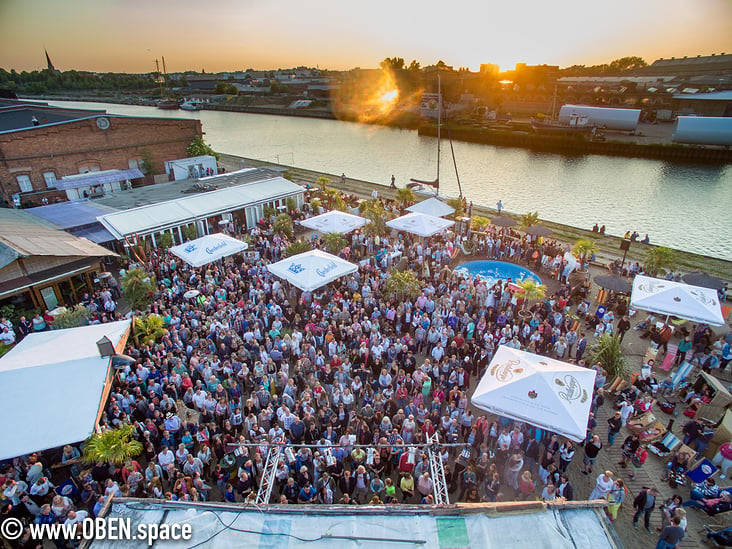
<point x="102" y="123"/>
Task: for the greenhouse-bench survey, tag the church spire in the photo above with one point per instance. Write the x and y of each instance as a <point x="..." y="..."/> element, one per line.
<point x="48" y="62"/>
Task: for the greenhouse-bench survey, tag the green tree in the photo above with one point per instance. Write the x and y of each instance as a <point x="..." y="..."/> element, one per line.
<point x="392" y="63"/>
<point x="529" y="219"/>
<point x="405" y="197"/>
<point x="199" y="147"/>
<point x="374" y="211"/>
<point x="137" y="288"/>
<point x="532" y="291"/>
<point x="149" y="327"/>
<point x="479" y="223"/>
<point x="226" y="88"/>
<point x="404" y="285"/>
<point x="659" y="260"/>
<point x="297" y="247"/>
<point x="283" y="225"/>
<point x="458" y="205"/>
<point x="608" y="352"/>
<point x="76" y="316"/>
<point x="113" y="447"/>
<point x="190" y="232"/>
<point x="584" y="248"/>
<point x="147" y="165"/>
<point x="164" y="240"/>
<point x="333" y="242"/>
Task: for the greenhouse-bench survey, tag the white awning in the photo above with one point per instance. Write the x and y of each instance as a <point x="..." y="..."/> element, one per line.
<point x="54" y="386"/>
<point x="676" y="299"/>
<point x="550" y="394"/>
<point x="208" y="249"/>
<point x="311" y="270"/>
<point x="92" y="179"/>
<point x="432" y="206"/>
<point x="420" y="224"/>
<point x="335" y="221"/>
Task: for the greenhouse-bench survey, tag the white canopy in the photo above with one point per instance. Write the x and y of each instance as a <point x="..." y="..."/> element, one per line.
<point x="335" y="222"/>
<point x="432" y="206"/>
<point x="311" y="270"/>
<point x="550" y="394"/>
<point x="676" y="299"/>
<point x="54" y="387"/>
<point x="208" y="249"/>
<point x="420" y="224"/>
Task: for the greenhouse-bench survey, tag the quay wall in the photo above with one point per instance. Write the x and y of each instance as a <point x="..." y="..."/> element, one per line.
<point x="609" y="244"/>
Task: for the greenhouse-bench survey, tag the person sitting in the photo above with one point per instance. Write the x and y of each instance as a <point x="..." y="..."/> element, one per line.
<point x="679" y="464"/>
<point x="707" y="489"/>
<point x="712" y="506"/>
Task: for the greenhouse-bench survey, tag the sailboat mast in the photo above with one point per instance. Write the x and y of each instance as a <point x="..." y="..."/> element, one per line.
<point x="165" y="73"/>
<point x="160" y="79"/>
<point x="439" y="124"/>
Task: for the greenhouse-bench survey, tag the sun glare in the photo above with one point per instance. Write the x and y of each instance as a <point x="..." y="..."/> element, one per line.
<point x="367" y="95"/>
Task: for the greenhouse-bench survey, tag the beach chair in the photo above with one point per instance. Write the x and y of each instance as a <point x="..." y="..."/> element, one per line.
<point x="681" y="374"/>
<point x="666" y="445"/>
<point x="669" y="358"/>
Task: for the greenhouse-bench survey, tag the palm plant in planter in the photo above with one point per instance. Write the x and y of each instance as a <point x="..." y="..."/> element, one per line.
<point x="607" y="351"/>
<point x="532" y="291"/>
<point x="113" y="447"/>
<point x="583" y="249"/>
<point x="333" y="242"/>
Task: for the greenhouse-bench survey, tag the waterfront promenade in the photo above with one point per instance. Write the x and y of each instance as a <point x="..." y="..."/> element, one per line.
<point x="609" y="244"/>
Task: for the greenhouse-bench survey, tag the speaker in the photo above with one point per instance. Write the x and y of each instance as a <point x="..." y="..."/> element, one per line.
<point x="625" y="244"/>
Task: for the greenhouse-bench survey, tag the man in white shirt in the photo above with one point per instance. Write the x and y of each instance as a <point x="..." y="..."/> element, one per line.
<point x="165" y="458"/>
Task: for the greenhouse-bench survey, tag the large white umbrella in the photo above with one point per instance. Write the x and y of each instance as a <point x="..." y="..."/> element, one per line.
<point x="676" y="299"/>
<point x="311" y="270"/>
<point x="432" y="206"/>
<point x="335" y="222"/>
<point x="208" y="249"/>
<point x="420" y="224"/>
<point x="544" y="392"/>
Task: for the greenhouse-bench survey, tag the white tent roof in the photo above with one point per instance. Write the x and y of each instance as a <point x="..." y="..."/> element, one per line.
<point x="420" y="224"/>
<point x="171" y="213"/>
<point x="550" y="394"/>
<point x="311" y="270"/>
<point x="208" y="249"/>
<point x="432" y="206"/>
<point x="335" y="222"/>
<point x="54" y="387"/>
<point x="677" y="299"/>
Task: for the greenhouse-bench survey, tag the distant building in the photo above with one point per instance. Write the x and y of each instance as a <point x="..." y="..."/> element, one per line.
<point x="701" y="65"/>
<point x="40" y="145"/>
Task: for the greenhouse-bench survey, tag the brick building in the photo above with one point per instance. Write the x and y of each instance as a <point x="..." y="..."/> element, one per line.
<point x="40" y="144"/>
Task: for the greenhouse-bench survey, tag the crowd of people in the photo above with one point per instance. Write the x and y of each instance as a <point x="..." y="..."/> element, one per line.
<point x="349" y="378"/>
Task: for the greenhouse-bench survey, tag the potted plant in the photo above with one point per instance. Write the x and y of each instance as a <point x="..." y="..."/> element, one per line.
<point x="532" y="291"/>
<point x="583" y="249"/>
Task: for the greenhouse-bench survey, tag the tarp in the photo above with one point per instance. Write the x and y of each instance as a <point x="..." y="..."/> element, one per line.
<point x="92" y="179"/>
<point x="432" y="206"/>
<point x="208" y="249"/>
<point x="311" y="270"/>
<point x="335" y="222"/>
<point x="676" y="299"/>
<point x="544" y="392"/>
<point x="420" y="224"/>
<point x="54" y="386"/>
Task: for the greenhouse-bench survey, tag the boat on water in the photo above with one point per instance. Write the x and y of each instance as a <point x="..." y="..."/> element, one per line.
<point x="167" y="104"/>
<point x="193" y="104"/>
<point x="576" y="124"/>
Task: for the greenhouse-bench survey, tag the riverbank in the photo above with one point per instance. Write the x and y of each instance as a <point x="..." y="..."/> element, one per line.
<point x="643" y="143"/>
<point x="609" y="245"/>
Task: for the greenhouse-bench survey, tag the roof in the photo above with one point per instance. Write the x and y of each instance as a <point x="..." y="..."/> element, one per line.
<point x="59" y="366"/>
<point x="725" y="95"/>
<point x="25" y="235"/>
<point x="91" y="179"/>
<point x="71" y="214"/>
<point x="20" y="116"/>
<point x="172" y="213"/>
<point x="153" y="194"/>
<point x="384" y="526"/>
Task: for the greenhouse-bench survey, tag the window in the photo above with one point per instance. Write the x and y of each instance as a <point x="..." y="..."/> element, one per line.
<point x="86" y="168"/>
<point x="135" y="163"/>
<point x="24" y="183"/>
<point x="50" y="179"/>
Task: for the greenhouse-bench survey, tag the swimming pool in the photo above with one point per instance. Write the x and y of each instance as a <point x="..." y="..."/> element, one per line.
<point x="497" y="270"/>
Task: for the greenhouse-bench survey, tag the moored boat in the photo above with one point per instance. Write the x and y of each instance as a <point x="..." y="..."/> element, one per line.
<point x="168" y="104"/>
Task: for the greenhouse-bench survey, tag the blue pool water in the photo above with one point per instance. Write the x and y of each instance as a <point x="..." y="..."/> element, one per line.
<point x="497" y="270"/>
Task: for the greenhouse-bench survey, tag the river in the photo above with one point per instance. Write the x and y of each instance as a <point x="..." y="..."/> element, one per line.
<point x="686" y="206"/>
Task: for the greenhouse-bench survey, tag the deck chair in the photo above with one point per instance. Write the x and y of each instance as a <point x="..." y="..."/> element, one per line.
<point x="669" y="358"/>
<point x="681" y="374"/>
<point x="666" y="445"/>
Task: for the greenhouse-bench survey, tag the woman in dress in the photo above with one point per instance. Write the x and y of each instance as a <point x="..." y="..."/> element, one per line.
<point x="615" y="499"/>
<point x="603" y="486"/>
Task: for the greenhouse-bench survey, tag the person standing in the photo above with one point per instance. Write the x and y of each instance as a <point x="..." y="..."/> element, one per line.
<point x="615" y="499"/>
<point x="623" y="326"/>
<point x="644" y="503"/>
<point x="592" y="449"/>
<point x="603" y="486"/>
<point x="671" y="535"/>
<point x="581" y="346"/>
<point x="615" y="423"/>
<point x="499" y="207"/>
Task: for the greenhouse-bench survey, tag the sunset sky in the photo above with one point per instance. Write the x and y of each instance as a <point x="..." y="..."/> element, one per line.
<point x="219" y="35"/>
